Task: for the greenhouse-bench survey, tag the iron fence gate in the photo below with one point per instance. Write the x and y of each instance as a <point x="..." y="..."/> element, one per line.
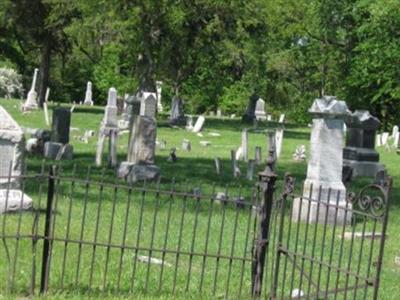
<point x="91" y="236"/>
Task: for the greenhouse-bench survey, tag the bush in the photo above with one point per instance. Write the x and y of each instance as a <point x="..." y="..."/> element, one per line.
<point x="10" y="83"/>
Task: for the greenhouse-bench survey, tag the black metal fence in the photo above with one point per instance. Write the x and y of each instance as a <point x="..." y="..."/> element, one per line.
<point x="93" y="236"/>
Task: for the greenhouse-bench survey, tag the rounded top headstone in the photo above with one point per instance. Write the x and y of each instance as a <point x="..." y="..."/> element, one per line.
<point x="329" y="107"/>
<point x="112" y="97"/>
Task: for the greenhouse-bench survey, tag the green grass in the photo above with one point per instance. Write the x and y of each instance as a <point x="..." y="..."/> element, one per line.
<point x="193" y="169"/>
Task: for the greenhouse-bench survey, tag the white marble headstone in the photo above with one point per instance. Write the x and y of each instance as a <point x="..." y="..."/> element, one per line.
<point x="88" y="94"/>
<point x="199" y="124"/>
<point x="148" y="107"/>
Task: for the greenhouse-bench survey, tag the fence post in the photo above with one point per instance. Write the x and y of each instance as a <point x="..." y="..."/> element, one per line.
<point x="267" y="180"/>
<point x="44" y="278"/>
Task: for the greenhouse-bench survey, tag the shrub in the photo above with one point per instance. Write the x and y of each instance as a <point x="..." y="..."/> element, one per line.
<point x="10" y="83"/>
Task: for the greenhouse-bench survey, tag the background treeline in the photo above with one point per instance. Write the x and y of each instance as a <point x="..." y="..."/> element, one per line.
<point x="211" y="53"/>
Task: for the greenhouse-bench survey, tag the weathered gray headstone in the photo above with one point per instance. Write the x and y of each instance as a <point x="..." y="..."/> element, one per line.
<point x="395" y="130"/>
<point x="140" y="164"/>
<point x="235" y="168"/>
<point x="324" y="172"/>
<point x="186" y="146"/>
<point x="177" y="116"/>
<point x="250" y="169"/>
<point x="13" y="200"/>
<point x="12" y="146"/>
<point x="217" y="162"/>
<point x="260" y="110"/>
<point x="148" y="106"/>
<point x="360" y="154"/>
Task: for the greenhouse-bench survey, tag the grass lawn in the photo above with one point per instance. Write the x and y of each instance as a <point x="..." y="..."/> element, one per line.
<point x="219" y="229"/>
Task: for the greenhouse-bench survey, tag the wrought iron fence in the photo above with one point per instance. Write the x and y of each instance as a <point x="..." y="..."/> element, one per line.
<point x="91" y="236"/>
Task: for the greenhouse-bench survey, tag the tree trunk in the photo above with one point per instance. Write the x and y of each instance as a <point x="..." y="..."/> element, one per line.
<point x="44" y="72"/>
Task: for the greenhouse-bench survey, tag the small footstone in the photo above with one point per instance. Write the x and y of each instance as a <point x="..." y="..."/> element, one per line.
<point x="205" y="143"/>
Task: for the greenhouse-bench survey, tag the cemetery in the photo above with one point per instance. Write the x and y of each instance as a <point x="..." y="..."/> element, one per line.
<point x="199" y="149"/>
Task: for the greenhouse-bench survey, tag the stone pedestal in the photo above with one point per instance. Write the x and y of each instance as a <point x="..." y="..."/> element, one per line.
<point x="360" y="154"/>
<point x="324" y="172"/>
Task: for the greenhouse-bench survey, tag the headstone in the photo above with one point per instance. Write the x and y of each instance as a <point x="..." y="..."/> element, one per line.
<point x="282" y="118"/>
<point x="159" y="90"/>
<point x="58" y="151"/>
<point x="31" y="100"/>
<point x="217" y="162"/>
<point x="46" y="114"/>
<point x="385" y="138"/>
<point x="14" y="200"/>
<point x="172" y="155"/>
<point x="360" y="154"/>
<point x="132" y="108"/>
<point x="324" y="172"/>
<point x="300" y="153"/>
<point x="148" y="106"/>
<point x="189" y="123"/>
<point x="88" y="94"/>
<point x="378" y="140"/>
<point x="250" y="169"/>
<point x="205" y="143"/>
<point x="233" y="116"/>
<point x="12" y="146"/>
<point x="239" y="153"/>
<point x="278" y="141"/>
<point x="177" y="116"/>
<point x="395" y="130"/>
<point x="396" y="140"/>
<point x="140" y="163"/>
<point x="109" y="130"/>
<point x="199" y="124"/>
<point x="260" y="110"/>
<point x="250" y="115"/>
<point x="245" y="141"/>
<point x="61" y="125"/>
<point x="269" y="118"/>
<point x="219" y="113"/>
<point x="212" y="113"/>
<point x="258" y="155"/>
<point x="186" y="146"/>
<point x="235" y="168"/>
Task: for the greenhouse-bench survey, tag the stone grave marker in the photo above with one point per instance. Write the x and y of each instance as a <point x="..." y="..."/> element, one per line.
<point x="88" y="94"/>
<point x="235" y="168"/>
<point x="186" y="146"/>
<point x="282" y="118"/>
<point x="260" y="110"/>
<point x="244" y="145"/>
<point x="217" y="162"/>
<point x="250" y="114"/>
<point x="360" y="154"/>
<point x="199" y="124"/>
<point x="148" y="106"/>
<point x="159" y="90"/>
<point x="395" y="130"/>
<point x="177" y="115"/>
<point x="324" y="172"/>
<point x="109" y="130"/>
<point x="258" y="155"/>
<point x="250" y="169"/>
<point x="31" y="99"/>
<point x="278" y="141"/>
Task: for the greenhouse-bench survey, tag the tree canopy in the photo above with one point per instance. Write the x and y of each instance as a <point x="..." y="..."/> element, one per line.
<point x="211" y="53"/>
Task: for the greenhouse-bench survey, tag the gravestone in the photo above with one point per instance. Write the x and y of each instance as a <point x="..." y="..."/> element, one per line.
<point x="61" y="125"/>
<point x="59" y="135"/>
<point x="385" y="138"/>
<point x="269" y="118"/>
<point x="250" y="169"/>
<point x="199" y="124"/>
<point x="219" y="113"/>
<point x="177" y="115"/>
<point x="186" y="146"/>
<point x="12" y="146"/>
<point x="278" y="141"/>
<point x="378" y="140"/>
<point x="245" y="142"/>
<point x="159" y="90"/>
<point x="31" y="99"/>
<point x="131" y="108"/>
<point x="148" y="106"/>
<point x="140" y="163"/>
<point x="109" y="130"/>
<point x="88" y="94"/>
<point x="396" y="140"/>
<point x="235" y="168"/>
<point x="258" y="155"/>
<point x="395" y="131"/>
<point x="360" y="154"/>
<point x="12" y="163"/>
<point x="281" y="119"/>
<point x="260" y="110"/>
<point x="250" y="114"/>
<point x="189" y="123"/>
<point x="324" y="171"/>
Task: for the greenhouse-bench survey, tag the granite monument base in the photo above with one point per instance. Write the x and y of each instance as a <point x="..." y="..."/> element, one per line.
<point x="363" y="168"/>
<point x="137" y="172"/>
